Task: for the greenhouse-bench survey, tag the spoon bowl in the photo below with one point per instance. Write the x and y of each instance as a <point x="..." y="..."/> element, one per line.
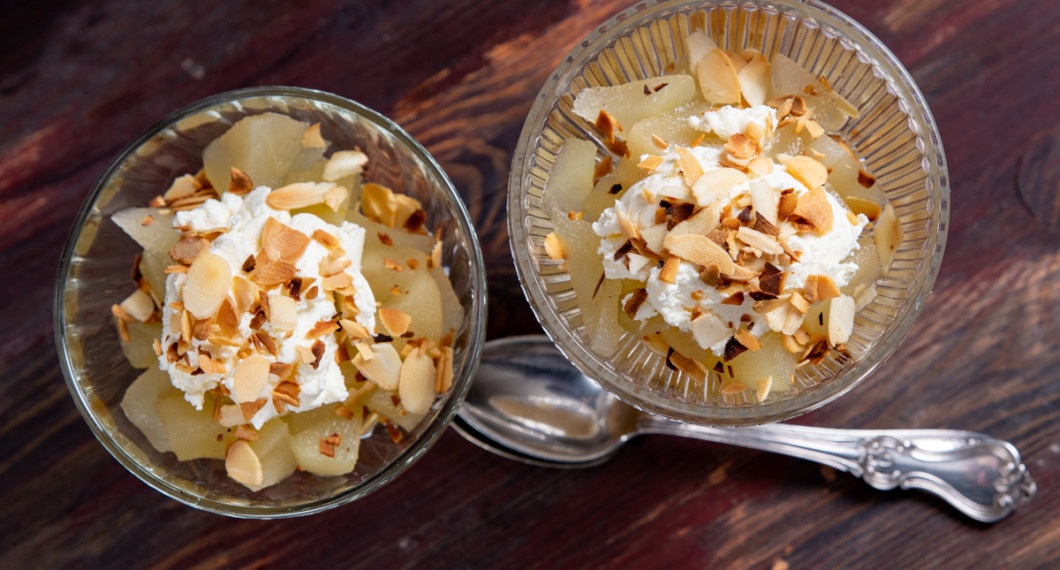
<point x="530" y="404"/>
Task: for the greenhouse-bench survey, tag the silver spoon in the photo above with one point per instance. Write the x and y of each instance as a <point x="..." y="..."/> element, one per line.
<point x="530" y="404"/>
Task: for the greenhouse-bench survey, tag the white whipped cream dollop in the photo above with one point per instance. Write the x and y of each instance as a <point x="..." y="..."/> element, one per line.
<point x="242" y="220"/>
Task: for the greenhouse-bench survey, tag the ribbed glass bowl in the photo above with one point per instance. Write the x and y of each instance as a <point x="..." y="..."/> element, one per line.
<point x="895" y="137"/>
<point x="95" y="273"/>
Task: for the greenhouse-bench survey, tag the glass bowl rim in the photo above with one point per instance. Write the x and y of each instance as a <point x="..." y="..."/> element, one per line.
<point x="476" y="336"/>
<point x="921" y="124"/>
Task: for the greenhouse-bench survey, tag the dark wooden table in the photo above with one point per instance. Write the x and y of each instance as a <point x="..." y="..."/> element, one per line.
<point x="80" y="79"/>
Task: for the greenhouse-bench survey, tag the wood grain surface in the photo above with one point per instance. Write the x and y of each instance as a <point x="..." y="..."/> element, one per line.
<point x="80" y="79"/>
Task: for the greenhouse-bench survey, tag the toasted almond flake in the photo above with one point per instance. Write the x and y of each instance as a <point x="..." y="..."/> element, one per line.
<point x="668" y="273"/>
<point x="311" y="137"/>
<point x="354" y="329"/>
<point x="138" y="305"/>
<point x="335" y="196"/>
<point x="814" y="128"/>
<point x="244" y="293"/>
<point x="740" y="145"/>
<point x="281" y="370"/>
<point x="786" y="205"/>
<point x="175" y="269"/>
<point x="791" y="344"/>
<point x="298" y="195"/>
<point x="288" y="392"/>
<point x="650" y="162"/>
<point x="436" y="255"/>
<point x="396" y="322"/>
<point x="887" y="233"/>
<point x="716" y="184"/>
<point x="868" y="208"/>
<point x="754" y="79"/>
<point x="249" y="378"/>
<point x="326" y="239"/>
<point x="230" y="415"/>
<point x="700" y="250"/>
<point x="554" y="247"/>
<point x="687" y="365"/>
<point x="206" y="285"/>
<point x="603" y="168"/>
<point x="239" y="183"/>
<point x="188" y="248"/>
<point x="840" y="319"/>
<point x="281" y="242"/>
<point x="747" y="339"/>
<point x="383" y="368"/>
<point x="717" y="76"/>
<point x="393" y="265"/>
<point x="283" y="312"/>
<point x="273" y="273"/>
<point x="444" y="365"/>
<point x="344" y="163"/>
<point x="820" y="288"/>
<point x="321" y="328"/>
<point x="766" y="243"/>
<point x="813" y="207"/>
<point x="659" y="142"/>
<point x="334" y="262"/>
<point x="243" y="465"/>
<point x="734" y="387"/>
<point x="799" y="302"/>
<point x="762" y="388"/>
<point x="807" y="170"/>
<point x="182" y="187"/>
<point x="865" y="179"/>
<point x="189" y="203"/>
<point x="416" y="382"/>
<point x="691" y="170"/>
<point x="147" y="220"/>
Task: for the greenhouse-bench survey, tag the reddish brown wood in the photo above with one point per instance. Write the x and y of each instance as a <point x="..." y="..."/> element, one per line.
<point x="78" y="80"/>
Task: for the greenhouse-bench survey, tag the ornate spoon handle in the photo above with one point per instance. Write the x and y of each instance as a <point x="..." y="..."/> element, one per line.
<point x="980" y="476"/>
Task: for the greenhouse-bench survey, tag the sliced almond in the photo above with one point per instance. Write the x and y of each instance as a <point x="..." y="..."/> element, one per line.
<point x="687" y="365"/>
<point x="444" y="366"/>
<point x="700" y="250"/>
<point x="668" y="272"/>
<point x="283" y="312"/>
<point x="716" y="184"/>
<point x="741" y="146"/>
<point x="188" y="248"/>
<point x="281" y="242"/>
<point x="206" y="285"/>
<point x="344" y="163"/>
<point x="554" y="247"/>
<point x="659" y="142"/>
<point x="240" y="183"/>
<point x="335" y="196"/>
<point x="820" y="288"/>
<point x="760" y="165"/>
<point x="416" y="382"/>
<point x="627" y="226"/>
<point x="298" y="195"/>
<point x="708" y="330"/>
<point x="354" y="329"/>
<point x="702" y="222"/>
<point x="754" y="80"/>
<point x="650" y="162"/>
<point x="243" y="465"/>
<point x="868" y="208"/>
<point x="272" y="273"/>
<point x="887" y="233"/>
<point x="691" y="170"/>
<point x="249" y="378"/>
<point x="383" y="368"/>
<point x="756" y="239"/>
<point x="840" y="319"/>
<point x="334" y="262"/>
<point x="813" y="207"/>
<point x="717" y="78"/>
<point x="747" y="339"/>
<point x="230" y="415"/>
<point x="763" y="387"/>
<point x="326" y="239"/>
<point x="182" y="187"/>
<point x="607" y="125"/>
<point x="396" y="322"/>
<point x="138" y="305"/>
<point x="807" y="170"/>
<point x="243" y="292"/>
<point x="311" y="137"/>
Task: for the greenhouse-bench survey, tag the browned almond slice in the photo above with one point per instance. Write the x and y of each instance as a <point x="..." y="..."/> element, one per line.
<point x="700" y="250"/>
<point x="444" y="380"/>
<point x="668" y="273"/>
<point x="717" y="78"/>
<point x="384" y="366"/>
<point x="283" y="312"/>
<point x="206" y="285"/>
<point x="231" y="415"/>
<point x="887" y="233"/>
<point x="659" y="142"/>
<point x="335" y="196"/>
<point x="240" y="182"/>
<point x="870" y="209"/>
<point x="243" y="465"/>
<point x="273" y="273"/>
<point x="282" y="242"/>
<point x="344" y="163"/>
<point x="813" y="207"/>
<point x="691" y="170"/>
<point x="820" y="288"/>
<point x="807" y="170"/>
<point x="298" y="195"/>
<point x="416" y="382"/>
<point x="607" y="125"/>
<point x="650" y="162"/>
<point x="840" y="319"/>
<point x="336" y="282"/>
<point x="814" y="128"/>
<point x="627" y="226"/>
<point x="747" y="339"/>
<point x="354" y="329"/>
<point x="244" y="293"/>
<point x="138" y="305"/>
<point x="326" y="239"/>
<point x="396" y="322"/>
<point x="249" y="378"/>
<point x="763" y="387"/>
<point x="702" y="222"/>
<point x="687" y="365"/>
<point x="716" y="184"/>
<point x="334" y="262"/>
<point x="554" y="247"/>
<point x="754" y="79"/>
<point x="756" y="239"/>
<point x="741" y="146"/>
<point x="182" y="187"/>
<point x="188" y="248"/>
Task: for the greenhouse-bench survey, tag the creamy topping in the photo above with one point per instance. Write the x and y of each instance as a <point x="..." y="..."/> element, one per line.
<point x="710" y="308"/>
<point x="242" y="221"/>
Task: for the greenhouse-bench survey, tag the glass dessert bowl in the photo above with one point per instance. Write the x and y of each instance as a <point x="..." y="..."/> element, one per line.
<point x="815" y="82"/>
<point x="160" y="178"/>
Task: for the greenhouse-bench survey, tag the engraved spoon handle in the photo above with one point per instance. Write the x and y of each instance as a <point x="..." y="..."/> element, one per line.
<point x="980" y="476"/>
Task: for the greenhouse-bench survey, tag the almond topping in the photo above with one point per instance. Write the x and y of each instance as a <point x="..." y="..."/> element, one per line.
<point x="607" y="125"/>
<point x="206" y="285"/>
<point x="281" y="242"/>
<point x="650" y="162"/>
<point x="807" y="170"/>
<point x="554" y="247"/>
<point x="396" y="322"/>
<point x="865" y="179"/>
<point x="243" y="465"/>
<point x="416" y="381"/>
<point x="717" y="78"/>
<point x="659" y="142"/>
<point x="747" y="339"/>
<point x="188" y="248"/>
<point x="272" y="273"/>
<point x="354" y="329"/>
<point x="820" y="288"/>
<point x="321" y="328"/>
<point x="868" y="208"/>
<point x="691" y="170"/>
<point x="249" y="378"/>
<point x="700" y="250"/>
<point x="716" y="184"/>
<point x="344" y="163"/>
<point x="298" y="195"/>
<point x="766" y="243"/>
<point x="668" y="273"/>
<point x="240" y="184"/>
<point x="283" y="312"/>
<point x="814" y="209"/>
<point x="324" y="238"/>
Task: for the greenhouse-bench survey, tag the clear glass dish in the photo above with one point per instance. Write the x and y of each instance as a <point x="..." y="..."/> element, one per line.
<point x="94" y="274"/>
<point x="895" y="136"/>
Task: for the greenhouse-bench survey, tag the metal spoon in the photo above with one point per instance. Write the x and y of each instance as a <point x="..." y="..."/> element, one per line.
<point x="530" y="404"/>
